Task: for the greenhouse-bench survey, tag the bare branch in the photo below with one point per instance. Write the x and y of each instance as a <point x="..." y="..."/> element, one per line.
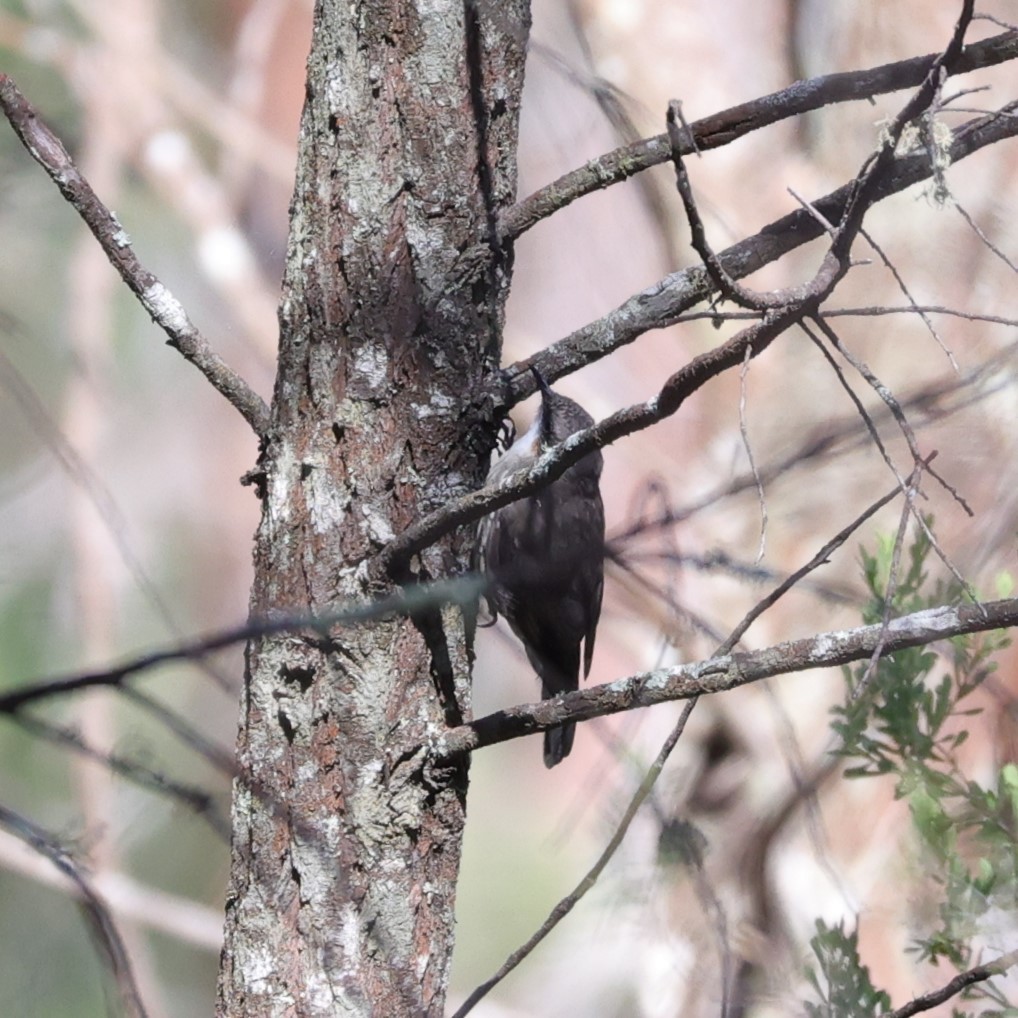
<point x="721" y="128"/>
<point x="566" y="905"/>
<point x="166" y="311"/>
<point x="726" y="286"/>
<point x="730" y="671"/>
<point x="931" y="309"/>
<point x="94" y="490"/>
<point x="200" y="801"/>
<point x="665" y="302"/>
<point x="462" y="591"/>
<point x="960" y="982"/>
<point x="93" y="907"/>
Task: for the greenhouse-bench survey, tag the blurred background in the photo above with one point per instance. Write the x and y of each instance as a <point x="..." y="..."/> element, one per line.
<point x="123" y="525"/>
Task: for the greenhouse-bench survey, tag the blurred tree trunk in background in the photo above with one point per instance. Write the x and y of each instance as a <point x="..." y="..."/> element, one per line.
<point x="346" y="847"/>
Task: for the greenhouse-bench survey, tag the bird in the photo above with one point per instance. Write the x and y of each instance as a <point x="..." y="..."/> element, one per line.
<point x="543" y="556"/>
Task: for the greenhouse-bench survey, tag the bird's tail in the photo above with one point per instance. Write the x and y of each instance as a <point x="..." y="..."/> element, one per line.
<point x="557" y="743"/>
<point x="559" y="670"/>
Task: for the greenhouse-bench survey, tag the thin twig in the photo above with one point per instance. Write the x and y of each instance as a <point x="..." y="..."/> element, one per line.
<point x="93" y="908"/>
<point x="893" y="578"/>
<point x="462" y="591"/>
<point x="839" y="436"/>
<point x="218" y="757"/>
<point x="683" y="682"/>
<point x="960" y="982"/>
<point x="566" y="905"/>
<point x="909" y="488"/>
<point x="906" y="429"/>
<point x="728" y="287"/>
<point x="821" y="557"/>
<point x="193" y="923"/>
<point x="982" y="236"/>
<point x="198" y="800"/>
<point x="906" y="293"/>
<point x="722" y="128"/>
<point x="667" y="301"/>
<point x="166" y="311"/>
<point x="744" y="431"/>
<point x="857" y="402"/>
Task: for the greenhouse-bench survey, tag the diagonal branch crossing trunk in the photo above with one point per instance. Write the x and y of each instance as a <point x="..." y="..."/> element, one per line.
<point x="346" y="841"/>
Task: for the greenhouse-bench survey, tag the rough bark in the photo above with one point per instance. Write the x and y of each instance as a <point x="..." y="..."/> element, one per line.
<point x="346" y="843"/>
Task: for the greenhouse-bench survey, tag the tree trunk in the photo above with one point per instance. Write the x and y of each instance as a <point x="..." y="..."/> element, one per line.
<point x="346" y="839"/>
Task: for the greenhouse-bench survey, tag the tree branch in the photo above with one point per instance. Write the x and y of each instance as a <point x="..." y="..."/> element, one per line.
<point x="663" y="685"/>
<point x="93" y="908"/>
<point x="665" y="302"/>
<point x="166" y="311"/>
<point x="724" y="127"/>
<point x="557" y="460"/>
<point x="464" y="590"/>
<point x="962" y="981"/>
<point x="569" y="902"/>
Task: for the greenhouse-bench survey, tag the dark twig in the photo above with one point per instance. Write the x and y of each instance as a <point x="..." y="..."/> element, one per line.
<point x="962" y="981"/>
<point x="875" y="384"/>
<point x="738" y="121"/>
<point x="668" y="300"/>
<point x="93" y="908"/>
<point x="729" y="288"/>
<point x="200" y="801"/>
<point x="166" y="311"/>
<point x="464" y="590"/>
<point x="720" y="561"/>
<point x="664" y="685"/>
<point x="566" y="905"/>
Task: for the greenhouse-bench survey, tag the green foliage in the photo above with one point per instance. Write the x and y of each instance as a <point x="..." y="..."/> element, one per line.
<point x="900" y="719"/>
<point x="843" y="982"/>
